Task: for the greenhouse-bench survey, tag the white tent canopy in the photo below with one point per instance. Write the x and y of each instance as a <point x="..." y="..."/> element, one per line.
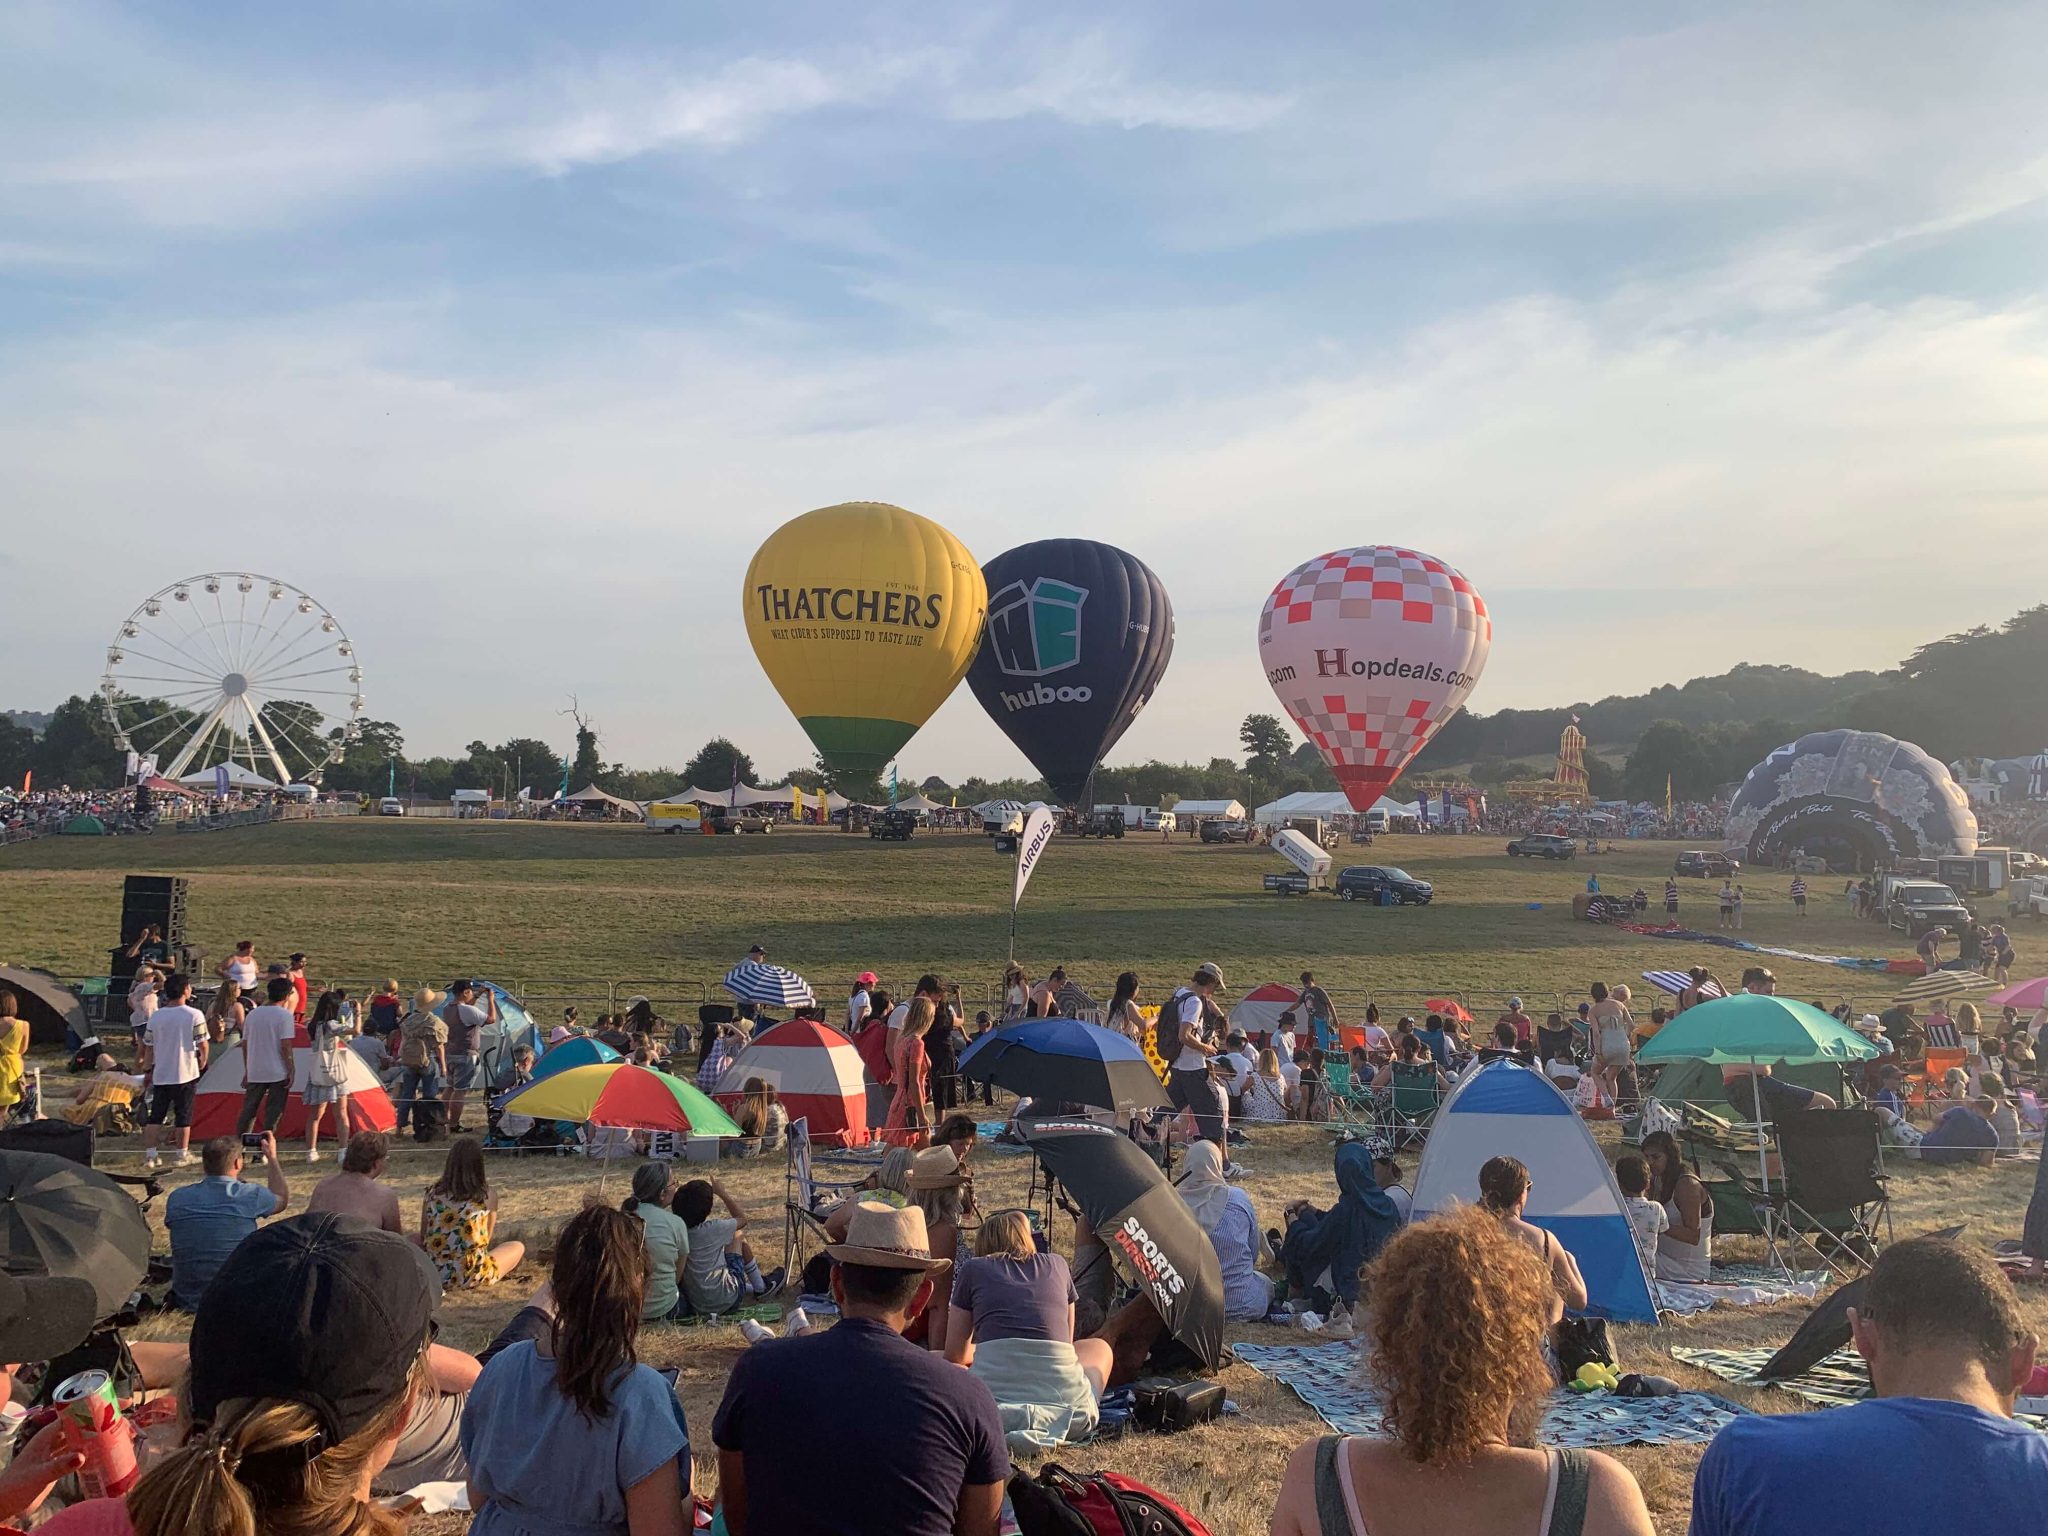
<point x="1308" y="802"/>
<point x="918" y="802"/>
<point x="747" y="796"/>
<point x="590" y="794"/>
<point x="238" y="778"/>
<point x="1210" y="810"/>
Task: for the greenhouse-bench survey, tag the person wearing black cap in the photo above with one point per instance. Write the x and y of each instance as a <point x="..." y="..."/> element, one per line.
<point x="466" y="1024"/>
<point x="307" y="1355"/>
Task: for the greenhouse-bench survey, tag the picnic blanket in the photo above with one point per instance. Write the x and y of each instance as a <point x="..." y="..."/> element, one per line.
<point x="1040" y="1391"/>
<point x="1322" y="1375"/>
<point x="1836" y="1382"/>
<point x="757" y="1311"/>
<point x="1762" y="1290"/>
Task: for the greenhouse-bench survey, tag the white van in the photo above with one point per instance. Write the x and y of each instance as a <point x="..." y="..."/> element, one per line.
<point x="1376" y="821"/>
<point x="391" y="805"/>
<point x="1161" y="821"/>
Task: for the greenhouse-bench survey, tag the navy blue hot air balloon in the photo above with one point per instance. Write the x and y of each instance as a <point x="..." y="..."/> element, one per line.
<point x="1078" y="636"/>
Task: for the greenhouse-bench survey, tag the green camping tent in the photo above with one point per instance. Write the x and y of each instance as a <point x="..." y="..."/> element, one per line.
<point x="1699" y="1082"/>
<point x="85" y="826"/>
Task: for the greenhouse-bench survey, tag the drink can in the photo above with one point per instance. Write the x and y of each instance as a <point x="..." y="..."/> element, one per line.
<point x="95" y="1425"/>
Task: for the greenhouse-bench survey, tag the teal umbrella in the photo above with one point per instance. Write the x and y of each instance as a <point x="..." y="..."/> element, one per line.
<point x="1751" y="1028"/>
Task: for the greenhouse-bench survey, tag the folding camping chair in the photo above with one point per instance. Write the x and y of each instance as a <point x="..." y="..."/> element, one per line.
<point x="1832" y="1195"/>
<point x="1410" y="1104"/>
<point x="802" y="1195"/>
<point x="1351" y="1105"/>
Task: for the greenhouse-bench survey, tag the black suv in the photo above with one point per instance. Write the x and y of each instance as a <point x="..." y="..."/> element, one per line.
<point x="1101" y="824"/>
<point x="1543" y="845"/>
<point x="1697" y="862"/>
<point x="893" y="826"/>
<point x="1226" y="831"/>
<point x="1365" y="882"/>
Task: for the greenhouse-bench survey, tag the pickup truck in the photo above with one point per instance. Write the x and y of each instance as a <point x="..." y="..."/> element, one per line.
<point x="2027" y="896"/>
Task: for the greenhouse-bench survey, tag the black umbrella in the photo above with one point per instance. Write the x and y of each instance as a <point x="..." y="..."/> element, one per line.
<point x="58" y="1217"/>
<point x="1065" y="1061"/>
<point x="1139" y="1218"/>
<point x="1825" y="1330"/>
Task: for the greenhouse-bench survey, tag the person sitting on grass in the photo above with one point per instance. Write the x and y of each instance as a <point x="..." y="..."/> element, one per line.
<point x="665" y="1239"/>
<point x="284" y="1427"/>
<point x="1459" y="1315"/>
<point x="1266" y="1097"/>
<point x="1645" y="1216"/>
<point x="761" y="1119"/>
<point x="1963" y="1134"/>
<point x="459" y="1222"/>
<point x="1504" y="1185"/>
<point x="568" y="1432"/>
<point x="1948" y="1350"/>
<point x="721" y="1273"/>
<point x="1323" y="1251"/>
<point x="919" y="1450"/>
<point x="1226" y="1214"/>
<point x="358" y="1189"/>
<point x="1010" y="1320"/>
<point x="940" y="1189"/>
<point x="889" y="1184"/>
<point x="208" y="1220"/>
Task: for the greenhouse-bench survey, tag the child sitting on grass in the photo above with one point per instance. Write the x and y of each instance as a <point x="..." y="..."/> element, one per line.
<point x="1645" y="1215"/>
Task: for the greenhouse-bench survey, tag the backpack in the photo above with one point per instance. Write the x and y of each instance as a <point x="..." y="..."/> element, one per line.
<point x="1063" y="1503"/>
<point x="1166" y="1028"/>
<point x="414" y="1037"/>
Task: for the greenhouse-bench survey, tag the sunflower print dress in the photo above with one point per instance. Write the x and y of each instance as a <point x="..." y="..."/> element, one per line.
<point x="459" y="1242"/>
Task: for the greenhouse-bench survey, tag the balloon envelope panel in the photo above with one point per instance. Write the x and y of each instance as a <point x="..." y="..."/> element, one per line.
<point x="1078" y="636"/>
<point x="1370" y="650"/>
<point x="864" y="616"/>
<point x="1861" y="798"/>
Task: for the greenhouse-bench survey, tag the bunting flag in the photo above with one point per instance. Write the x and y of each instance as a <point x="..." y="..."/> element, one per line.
<point x="1667" y="797"/>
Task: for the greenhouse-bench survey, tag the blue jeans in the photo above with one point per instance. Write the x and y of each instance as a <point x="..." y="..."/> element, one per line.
<point x="414" y="1084"/>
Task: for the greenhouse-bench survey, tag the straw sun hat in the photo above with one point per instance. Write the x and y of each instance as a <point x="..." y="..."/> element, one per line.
<point x="886" y="1238"/>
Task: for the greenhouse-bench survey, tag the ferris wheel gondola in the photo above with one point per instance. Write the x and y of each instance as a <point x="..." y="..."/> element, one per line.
<point x="235" y="668"/>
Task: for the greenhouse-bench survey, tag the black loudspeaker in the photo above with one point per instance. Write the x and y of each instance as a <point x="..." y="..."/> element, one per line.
<point x="158" y="899"/>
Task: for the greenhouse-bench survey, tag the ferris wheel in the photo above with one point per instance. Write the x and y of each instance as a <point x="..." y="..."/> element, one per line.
<point x="234" y="668"/>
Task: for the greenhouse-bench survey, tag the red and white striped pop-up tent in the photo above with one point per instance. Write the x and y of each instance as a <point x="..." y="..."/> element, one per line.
<point x="815" y="1071"/>
<point x="219" y="1098"/>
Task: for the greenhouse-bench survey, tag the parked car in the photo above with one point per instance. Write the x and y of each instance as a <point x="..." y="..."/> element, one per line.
<point x="1226" y="831"/>
<point x="1365" y="882"/>
<point x="1704" y="863"/>
<point x="391" y="805"/>
<point x="1109" y="823"/>
<point x="893" y="826"/>
<point x="1543" y="845"/>
<point x="723" y="819"/>
<point x="1918" y="905"/>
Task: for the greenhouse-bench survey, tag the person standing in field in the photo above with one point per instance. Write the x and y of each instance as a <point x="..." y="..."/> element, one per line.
<point x="1315" y="1002"/>
<point x="1799" y="896"/>
<point x="1670" y="896"/>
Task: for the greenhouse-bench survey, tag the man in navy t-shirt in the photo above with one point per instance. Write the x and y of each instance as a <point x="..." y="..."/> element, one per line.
<point x="1964" y="1134"/>
<point x="1948" y="1351"/>
<point x="914" y="1445"/>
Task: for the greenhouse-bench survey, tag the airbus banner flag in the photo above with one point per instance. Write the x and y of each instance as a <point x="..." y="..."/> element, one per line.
<point x="1037" y="835"/>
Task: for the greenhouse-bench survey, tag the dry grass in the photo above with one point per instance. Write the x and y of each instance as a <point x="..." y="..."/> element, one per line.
<point x="435" y="899"/>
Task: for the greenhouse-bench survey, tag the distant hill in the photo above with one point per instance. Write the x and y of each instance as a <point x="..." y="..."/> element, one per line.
<point x="1981" y="692"/>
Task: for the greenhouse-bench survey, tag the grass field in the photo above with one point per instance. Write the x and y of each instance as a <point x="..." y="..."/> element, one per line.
<point x="568" y="908"/>
<point x="548" y="904"/>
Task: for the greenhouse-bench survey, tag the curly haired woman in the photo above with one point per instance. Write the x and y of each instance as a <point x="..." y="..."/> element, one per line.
<point x="1457" y="1357"/>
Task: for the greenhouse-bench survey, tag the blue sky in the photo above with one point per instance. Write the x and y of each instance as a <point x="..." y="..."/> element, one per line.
<point x="1693" y="336"/>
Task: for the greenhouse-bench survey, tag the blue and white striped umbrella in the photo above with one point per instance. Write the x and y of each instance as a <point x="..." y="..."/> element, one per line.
<point x="1676" y="982"/>
<point x="772" y="986"/>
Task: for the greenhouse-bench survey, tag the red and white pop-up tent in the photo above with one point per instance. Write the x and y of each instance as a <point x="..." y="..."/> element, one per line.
<point x="1258" y="1011"/>
<point x="814" y="1070"/>
<point x="219" y="1098"/>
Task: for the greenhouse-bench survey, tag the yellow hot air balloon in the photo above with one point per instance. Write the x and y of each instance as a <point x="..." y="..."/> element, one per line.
<point x="864" y="617"/>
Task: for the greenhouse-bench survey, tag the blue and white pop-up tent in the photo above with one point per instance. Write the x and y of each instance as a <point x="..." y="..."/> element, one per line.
<point x="1505" y="1110"/>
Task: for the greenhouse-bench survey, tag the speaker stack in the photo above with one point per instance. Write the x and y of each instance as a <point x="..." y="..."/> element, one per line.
<point x="158" y="899"/>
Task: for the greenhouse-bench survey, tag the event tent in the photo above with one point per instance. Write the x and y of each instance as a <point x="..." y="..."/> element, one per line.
<point x="918" y="802"/>
<point x="1210" y="810"/>
<point x="218" y="1100"/>
<point x="239" y="777"/>
<point x="50" y="1006"/>
<point x="1258" y="1011"/>
<point x="746" y="796"/>
<point x="814" y="1070"/>
<point x="1308" y="802"/>
<point x="592" y="798"/>
<point x="1507" y="1110"/>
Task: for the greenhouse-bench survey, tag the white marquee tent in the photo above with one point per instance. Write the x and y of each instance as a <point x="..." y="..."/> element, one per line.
<point x="238" y="778"/>
<point x="1308" y="802"/>
<point x="1210" y="810"/>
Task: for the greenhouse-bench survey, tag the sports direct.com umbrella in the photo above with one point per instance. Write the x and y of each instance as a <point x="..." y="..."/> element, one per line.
<point x="620" y="1094"/>
<point x="1925" y="989"/>
<point x="1065" y="1061"/>
<point x="1749" y="1027"/>
<point x="58" y="1217"/>
<point x="773" y="986"/>
<point x="1142" y="1222"/>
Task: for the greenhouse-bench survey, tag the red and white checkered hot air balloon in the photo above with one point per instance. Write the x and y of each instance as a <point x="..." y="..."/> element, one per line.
<point x="1371" y="650"/>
